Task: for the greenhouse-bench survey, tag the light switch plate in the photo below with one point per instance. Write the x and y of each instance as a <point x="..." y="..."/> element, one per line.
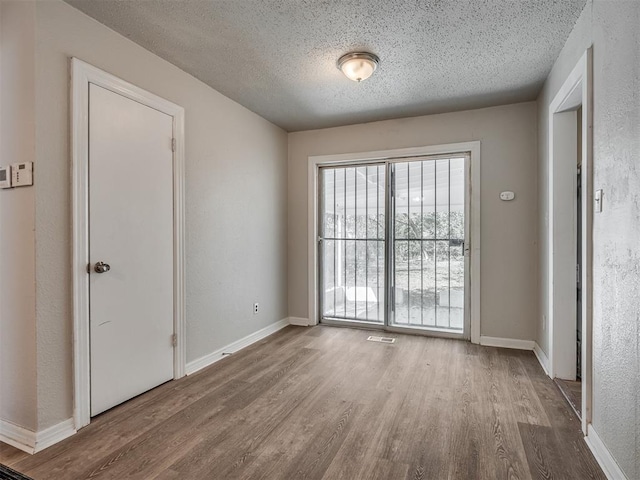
<point x="597" y="200"/>
<point x="5" y="177"/>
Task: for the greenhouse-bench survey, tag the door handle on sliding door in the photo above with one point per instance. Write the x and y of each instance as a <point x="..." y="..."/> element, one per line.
<point x="456" y="242"/>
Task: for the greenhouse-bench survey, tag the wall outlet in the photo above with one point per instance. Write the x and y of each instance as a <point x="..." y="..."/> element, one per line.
<point x="544" y="322"/>
<point x="256" y="308"/>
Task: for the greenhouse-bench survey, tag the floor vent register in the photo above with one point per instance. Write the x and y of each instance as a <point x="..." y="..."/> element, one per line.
<point x="374" y="338"/>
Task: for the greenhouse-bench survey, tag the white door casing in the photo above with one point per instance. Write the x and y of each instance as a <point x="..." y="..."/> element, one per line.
<point x="83" y="75"/>
<point x="131" y="230"/>
<point x="576" y="91"/>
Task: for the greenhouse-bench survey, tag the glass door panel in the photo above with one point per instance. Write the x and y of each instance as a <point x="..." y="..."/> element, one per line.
<point x="428" y="265"/>
<point x="421" y="242"/>
<point x="352" y="243"/>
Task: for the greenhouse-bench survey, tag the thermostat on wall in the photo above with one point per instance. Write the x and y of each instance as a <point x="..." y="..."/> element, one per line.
<point x="5" y="177"/>
<point x="507" y="196"/>
<point x="22" y="174"/>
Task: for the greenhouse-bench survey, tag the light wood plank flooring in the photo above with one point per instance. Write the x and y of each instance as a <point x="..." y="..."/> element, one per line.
<point x="325" y="403"/>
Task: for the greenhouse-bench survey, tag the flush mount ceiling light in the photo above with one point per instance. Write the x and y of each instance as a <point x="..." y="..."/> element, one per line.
<point x="358" y="66"/>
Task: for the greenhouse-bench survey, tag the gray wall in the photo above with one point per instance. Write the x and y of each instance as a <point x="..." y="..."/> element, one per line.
<point x="508" y="231"/>
<point x="612" y="27"/>
<point x="235" y="202"/>
<point x="17" y="240"/>
<point x="238" y="244"/>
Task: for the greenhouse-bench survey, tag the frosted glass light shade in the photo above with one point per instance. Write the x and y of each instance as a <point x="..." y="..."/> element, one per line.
<point x="358" y="66"/>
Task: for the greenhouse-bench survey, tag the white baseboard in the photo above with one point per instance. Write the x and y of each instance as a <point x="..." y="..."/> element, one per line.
<point x="32" y="442"/>
<point x="603" y="456"/>
<point x="542" y="357"/>
<point x="54" y="434"/>
<point x="299" y="321"/>
<point x="506" y="343"/>
<point x="16" y="436"/>
<point x="213" y="357"/>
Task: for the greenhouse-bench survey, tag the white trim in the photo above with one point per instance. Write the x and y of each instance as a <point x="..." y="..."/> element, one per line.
<point x="587" y="241"/>
<point x="32" y="442"/>
<point x="475" y="255"/>
<point x="581" y="78"/>
<point x="312" y="235"/>
<point x="213" y="357"/>
<point x="542" y="357"/>
<point x="514" y="343"/>
<point x="18" y="437"/>
<point x="54" y="434"/>
<point x="83" y="74"/>
<point x="179" y="287"/>
<point x="299" y="321"/>
<point x="604" y="458"/>
<point x="312" y="204"/>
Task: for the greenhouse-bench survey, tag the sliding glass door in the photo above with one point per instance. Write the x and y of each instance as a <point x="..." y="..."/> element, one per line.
<point x="352" y="246"/>
<point x="392" y="243"/>
<point x="428" y="211"/>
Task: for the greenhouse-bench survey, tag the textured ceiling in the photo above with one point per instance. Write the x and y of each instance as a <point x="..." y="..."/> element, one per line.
<point x="278" y="57"/>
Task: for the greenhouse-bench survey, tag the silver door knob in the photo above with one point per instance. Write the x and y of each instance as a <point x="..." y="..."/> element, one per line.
<point x="102" y="267"/>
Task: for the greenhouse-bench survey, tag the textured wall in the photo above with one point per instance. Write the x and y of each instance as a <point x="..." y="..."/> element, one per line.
<point x="616" y="232"/>
<point x="508" y="231"/>
<point x="17" y="243"/>
<point x="612" y="27"/>
<point x="235" y="200"/>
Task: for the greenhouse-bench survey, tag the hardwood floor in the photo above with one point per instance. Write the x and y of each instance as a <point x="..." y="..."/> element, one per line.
<point x="572" y="391"/>
<point x="325" y="403"/>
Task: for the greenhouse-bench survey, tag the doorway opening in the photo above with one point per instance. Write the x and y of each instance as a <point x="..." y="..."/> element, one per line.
<point x="572" y="388"/>
<point x="395" y="241"/>
<point x="570" y="238"/>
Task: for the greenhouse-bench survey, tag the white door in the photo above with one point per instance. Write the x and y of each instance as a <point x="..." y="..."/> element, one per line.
<point x="131" y="232"/>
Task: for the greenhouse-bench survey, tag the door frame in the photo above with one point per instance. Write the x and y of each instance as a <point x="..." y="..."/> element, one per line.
<point x="577" y="90"/>
<point x="473" y="148"/>
<point x="82" y="74"/>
